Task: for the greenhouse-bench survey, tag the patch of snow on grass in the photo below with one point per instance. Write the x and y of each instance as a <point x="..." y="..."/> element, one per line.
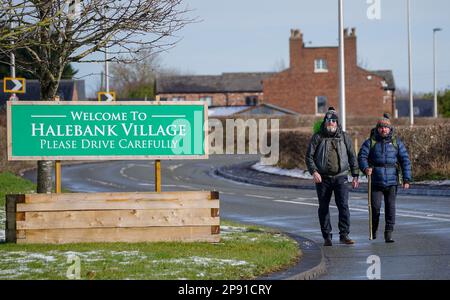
<point x="2" y="219"/>
<point x="296" y="173"/>
<point x="435" y="182"/>
<point x="14" y="264"/>
<point x="202" y="261"/>
<point x="231" y="229"/>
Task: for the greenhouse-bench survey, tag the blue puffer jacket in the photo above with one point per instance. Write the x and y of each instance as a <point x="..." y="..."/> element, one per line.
<point x="383" y="158"/>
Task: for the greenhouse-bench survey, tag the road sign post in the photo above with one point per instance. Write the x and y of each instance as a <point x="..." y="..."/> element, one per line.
<point x="13" y="97"/>
<point x="58" y="176"/>
<point x="158" y="175"/>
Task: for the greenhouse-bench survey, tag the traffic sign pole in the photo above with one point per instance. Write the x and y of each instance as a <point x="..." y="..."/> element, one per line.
<point x="13" y="97"/>
<point x="13" y="57"/>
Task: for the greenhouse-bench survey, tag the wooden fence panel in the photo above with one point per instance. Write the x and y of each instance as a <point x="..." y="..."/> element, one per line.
<point x="113" y="217"/>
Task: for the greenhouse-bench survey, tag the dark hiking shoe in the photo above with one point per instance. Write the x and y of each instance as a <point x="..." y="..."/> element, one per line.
<point x="388" y="237"/>
<point x="327" y="242"/>
<point x="374" y="235"/>
<point x="344" y="239"/>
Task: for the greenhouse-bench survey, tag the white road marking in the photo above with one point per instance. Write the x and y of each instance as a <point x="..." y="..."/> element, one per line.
<point x="173" y="167"/>
<point x="104" y="183"/>
<point x="122" y="172"/>
<point x="309" y="198"/>
<point x="166" y="185"/>
<point x="297" y="202"/>
<point x="403" y="213"/>
<point x="258" y="196"/>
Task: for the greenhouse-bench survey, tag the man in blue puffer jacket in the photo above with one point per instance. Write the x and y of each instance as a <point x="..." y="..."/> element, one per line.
<point x="381" y="156"/>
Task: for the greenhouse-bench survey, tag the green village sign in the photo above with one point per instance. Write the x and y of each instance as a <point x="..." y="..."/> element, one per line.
<point x="83" y="130"/>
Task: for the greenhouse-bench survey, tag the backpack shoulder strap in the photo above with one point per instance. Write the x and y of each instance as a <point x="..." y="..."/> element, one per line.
<point x="395" y="142"/>
<point x="373" y="142"/>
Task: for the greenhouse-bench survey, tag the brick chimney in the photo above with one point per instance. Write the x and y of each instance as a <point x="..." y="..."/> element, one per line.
<point x="350" y="47"/>
<point x="295" y="48"/>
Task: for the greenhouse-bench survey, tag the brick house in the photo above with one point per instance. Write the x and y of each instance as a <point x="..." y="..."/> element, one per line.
<point x="311" y="83"/>
<point x="309" y="86"/>
<point x="227" y="89"/>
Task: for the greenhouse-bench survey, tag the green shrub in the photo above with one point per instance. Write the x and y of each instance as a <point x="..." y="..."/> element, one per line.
<point x="428" y="148"/>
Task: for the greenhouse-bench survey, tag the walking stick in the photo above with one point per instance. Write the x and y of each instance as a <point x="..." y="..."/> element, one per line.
<point x="370" y="206"/>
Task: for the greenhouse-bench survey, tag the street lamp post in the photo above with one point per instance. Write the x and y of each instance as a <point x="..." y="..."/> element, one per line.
<point x="11" y="24"/>
<point x="434" y="71"/>
<point x="342" y="113"/>
<point x="106" y="60"/>
<point x="411" y="100"/>
<point x="106" y="70"/>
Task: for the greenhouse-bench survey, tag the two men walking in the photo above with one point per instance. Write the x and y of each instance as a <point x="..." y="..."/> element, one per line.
<point x="330" y="156"/>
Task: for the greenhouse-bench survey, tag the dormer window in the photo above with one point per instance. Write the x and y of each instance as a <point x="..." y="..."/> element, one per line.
<point x="320" y="65"/>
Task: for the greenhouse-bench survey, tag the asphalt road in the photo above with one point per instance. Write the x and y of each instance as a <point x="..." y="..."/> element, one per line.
<point x="422" y="235"/>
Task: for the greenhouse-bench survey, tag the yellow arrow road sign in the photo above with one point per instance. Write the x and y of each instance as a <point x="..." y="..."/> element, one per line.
<point x="106" y="96"/>
<point x="14" y="85"/>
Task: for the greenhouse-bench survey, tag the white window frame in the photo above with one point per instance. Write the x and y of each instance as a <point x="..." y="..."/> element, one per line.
<point x="178" y="98"/>
<point x="317" y="104"/>
<point x="207" y="99"/>
<point x="320" y="65"/>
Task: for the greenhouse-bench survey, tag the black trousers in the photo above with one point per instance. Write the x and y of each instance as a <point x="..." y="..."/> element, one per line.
<point x="388" y="193"/>
<point x="325" y="189"/>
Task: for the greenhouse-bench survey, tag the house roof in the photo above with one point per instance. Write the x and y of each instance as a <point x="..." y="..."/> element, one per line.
<point x="422" y="107"/>
<point x="261" y="109"/>
<point x="224" y="111"/>
<point x="388" y="77"/>
<point x="225" y="83"/>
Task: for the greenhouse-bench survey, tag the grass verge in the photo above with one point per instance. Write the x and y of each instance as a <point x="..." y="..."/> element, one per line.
<point x="244" y="252"/>
<point x="11" y="184"/>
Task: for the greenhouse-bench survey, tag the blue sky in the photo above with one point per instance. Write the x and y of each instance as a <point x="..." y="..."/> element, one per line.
<point x="252" y="36"/>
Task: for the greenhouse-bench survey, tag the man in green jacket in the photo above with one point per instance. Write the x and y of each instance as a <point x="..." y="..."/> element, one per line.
<point x="329" y="157"/>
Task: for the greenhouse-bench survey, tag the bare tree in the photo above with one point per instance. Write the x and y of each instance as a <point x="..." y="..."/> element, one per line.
<point x="54" y="33"/>
<point x="136" y="79"/>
